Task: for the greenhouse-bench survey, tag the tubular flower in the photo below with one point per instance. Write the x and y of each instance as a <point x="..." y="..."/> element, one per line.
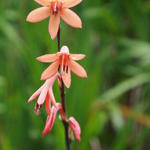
<point x="50" y="119"/>
<point x="45" y="93"/>
<point x="74" y="126"/>
<point x="56" y="9"/>
<point x="64" y="61"/>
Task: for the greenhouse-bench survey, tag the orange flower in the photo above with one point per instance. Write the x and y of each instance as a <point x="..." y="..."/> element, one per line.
<point x="66" y="62"/>
<point x="56" y="9"/>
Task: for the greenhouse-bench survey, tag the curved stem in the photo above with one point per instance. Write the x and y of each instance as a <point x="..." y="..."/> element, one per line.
<point x="62" y="94"/>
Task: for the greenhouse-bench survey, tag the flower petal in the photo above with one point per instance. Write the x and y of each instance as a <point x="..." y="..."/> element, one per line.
<point x="77" y="56"/>
<point x="47" y="58"/>
<point x="71" y="18"/>
<point x="38" y="14"/>
<point x="66" y="76"/>
<point x="50" y="71"/>
<point x="71" y="3"/>
<point x="52" y="98"/>
<point x="35" y="94"/>
<point x="74" y="125"/>
<point x="43" y="2"/>
<point x="77" y="69"/>
<point x="42" y="96"/>
<point x="47" y="104"/>
<point x="50" y="121"/>
<point x="54" y="25"/>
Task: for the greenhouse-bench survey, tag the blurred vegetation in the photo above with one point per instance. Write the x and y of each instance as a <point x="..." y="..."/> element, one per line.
<point x="112" y="105"/>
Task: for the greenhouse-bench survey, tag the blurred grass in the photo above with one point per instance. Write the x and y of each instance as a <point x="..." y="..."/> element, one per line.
<point x="116" y="39"/>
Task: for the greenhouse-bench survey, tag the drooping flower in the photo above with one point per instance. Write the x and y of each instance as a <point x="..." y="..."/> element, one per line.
<point x="50" y="119"/>
<point x="66" y="62"/>
<point x="74" y="126"/>
<point x="45" y="93"/>
<point x="56" y="9"/>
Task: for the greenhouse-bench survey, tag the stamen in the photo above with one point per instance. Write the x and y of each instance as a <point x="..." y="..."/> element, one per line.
<point x="64" y="67"/>
<point x="37" y="109"/>
<point x="59" y="67"/>
<point x="67" y="69"/>
<point x="62" y="63"/>
<point x="56" y="7"/>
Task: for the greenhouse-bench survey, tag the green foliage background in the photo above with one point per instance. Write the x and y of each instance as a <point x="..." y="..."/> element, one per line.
<point x="116" y="39"/>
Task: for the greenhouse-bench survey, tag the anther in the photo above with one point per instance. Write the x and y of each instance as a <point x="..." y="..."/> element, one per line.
<point x="67" y="69"/>
<point x="63" y="67"/>
<point x="37" y="109"/>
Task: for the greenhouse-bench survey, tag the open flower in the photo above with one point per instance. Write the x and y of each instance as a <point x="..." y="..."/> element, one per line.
<point x="56" y="9"/>
<point x="74" y="126"/>
<point x="66" y="62"/>
<point x="45" y="93"/>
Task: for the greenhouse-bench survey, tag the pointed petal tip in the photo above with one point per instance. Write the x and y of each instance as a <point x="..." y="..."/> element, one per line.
<point x="32" y="98"/>
<point x="68" y="86"/>
<point x="42" y="78"/>
<point x="52" y="35"/>
<point x="80" y="26"/>
<point x="38" y="59"/>
<point x="85" y="76"/>
<point x="43" y="133"/>
<point x="28" y="19"/>
<point x="29" y="100"/>
<point x="78" y="139"/>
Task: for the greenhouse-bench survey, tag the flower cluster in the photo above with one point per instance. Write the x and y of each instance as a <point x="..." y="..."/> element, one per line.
<point x="63" y="62"/>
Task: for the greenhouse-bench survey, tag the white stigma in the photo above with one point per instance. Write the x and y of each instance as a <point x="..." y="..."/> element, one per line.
<point x="64" y="49"/>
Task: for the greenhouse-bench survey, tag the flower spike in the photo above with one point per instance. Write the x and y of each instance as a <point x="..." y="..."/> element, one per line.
<point x="56" y="9"/>
<point x="66" y="62"/>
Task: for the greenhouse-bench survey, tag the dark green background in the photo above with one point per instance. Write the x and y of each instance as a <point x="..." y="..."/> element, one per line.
<point x="115" y="37"/>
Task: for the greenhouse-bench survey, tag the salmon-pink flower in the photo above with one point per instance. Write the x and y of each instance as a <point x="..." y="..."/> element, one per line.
<point x="74" y="125"/>
<point x="50" y="119"/>
<point x="45" y="93"/>
<point x="66" y="62"/>
<point x="56" y="9"/>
